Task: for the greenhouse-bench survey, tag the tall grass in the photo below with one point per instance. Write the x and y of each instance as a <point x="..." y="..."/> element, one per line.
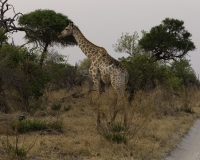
<point x="156" y="123"/>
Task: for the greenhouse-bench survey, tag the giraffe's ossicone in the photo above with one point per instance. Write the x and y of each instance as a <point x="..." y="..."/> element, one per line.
<point x="104" y="68"/>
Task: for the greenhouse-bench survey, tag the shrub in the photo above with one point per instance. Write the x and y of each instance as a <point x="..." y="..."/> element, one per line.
<point x="31" y="125"/>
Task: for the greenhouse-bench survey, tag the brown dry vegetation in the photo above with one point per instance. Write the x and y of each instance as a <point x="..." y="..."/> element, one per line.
<point x="157" y="120"/>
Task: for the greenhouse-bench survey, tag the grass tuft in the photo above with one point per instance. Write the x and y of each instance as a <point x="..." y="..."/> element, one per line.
<point x="28" y="125"/>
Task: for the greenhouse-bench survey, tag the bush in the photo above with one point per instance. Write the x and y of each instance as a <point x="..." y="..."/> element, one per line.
<point x="31" y="125"/>
<point x="22" y="75"/>
<point x="145" y="72"/>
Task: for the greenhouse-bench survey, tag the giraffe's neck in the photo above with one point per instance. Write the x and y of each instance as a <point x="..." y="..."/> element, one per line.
<point x="88" y="48"/>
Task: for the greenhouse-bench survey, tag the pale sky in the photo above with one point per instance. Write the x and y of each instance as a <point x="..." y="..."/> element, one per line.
<point x="103" y="21"/>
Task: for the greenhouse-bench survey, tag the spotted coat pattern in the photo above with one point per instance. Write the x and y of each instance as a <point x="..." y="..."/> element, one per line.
<point x="104" y="69"/>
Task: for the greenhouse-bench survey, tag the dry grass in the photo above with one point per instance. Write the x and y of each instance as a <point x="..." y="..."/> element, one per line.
<point x="156" y="122"/>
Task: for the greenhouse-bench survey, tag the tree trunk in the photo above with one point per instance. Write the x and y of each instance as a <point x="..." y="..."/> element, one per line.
<point x="43" y="54"/>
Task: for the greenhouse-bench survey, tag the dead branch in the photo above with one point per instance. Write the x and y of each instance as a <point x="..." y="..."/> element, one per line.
<point x="8" y="24"/>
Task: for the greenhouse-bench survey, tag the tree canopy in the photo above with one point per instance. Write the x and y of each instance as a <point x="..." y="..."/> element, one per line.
<point x="50" y="24"/>
<point x="169" y="40"/>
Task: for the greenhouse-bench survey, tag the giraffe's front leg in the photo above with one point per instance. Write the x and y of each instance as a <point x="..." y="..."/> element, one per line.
<point x="94" y="71"/>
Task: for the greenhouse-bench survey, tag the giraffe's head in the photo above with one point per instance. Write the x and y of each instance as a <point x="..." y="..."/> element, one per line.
<point x="67" y="31"/>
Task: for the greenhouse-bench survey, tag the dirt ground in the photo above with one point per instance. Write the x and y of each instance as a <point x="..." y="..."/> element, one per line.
<point x="189" y="148"/>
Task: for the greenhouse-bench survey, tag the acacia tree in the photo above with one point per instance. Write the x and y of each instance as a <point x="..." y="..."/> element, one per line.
<point x="50" y="24"/>
<point x="169" y="40"/>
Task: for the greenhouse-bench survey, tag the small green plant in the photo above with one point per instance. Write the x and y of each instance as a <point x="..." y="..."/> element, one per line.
<point x="56" y="106"/>
<point x="19" y="153"/>
<point x="68" y="107"/>
<point x="114" y="132"/>
<point x="116" y="127"/>
<point x="117" y="137"/>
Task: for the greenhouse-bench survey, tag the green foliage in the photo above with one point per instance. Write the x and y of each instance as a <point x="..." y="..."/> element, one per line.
<point x="142" y="70"/>
<point x="19" y="153"/>
<point x="28" y="125"/>
<point x="169" y="80"/>
<point x="128" y="44"/>
<point x="31" y="125"/>
<point x="56" y="106"/>
<point x="116" y="127"/>
<point x="117" y="137"/>
<point x="28" y="79"/>
<point x="116" y="133"/>
<point x="52" y="24"/>
<point x="3" y="37"/>
<point x="169" y="40"/>
<point x="83" y="70"/>
<point x="183" y="70"/>
<point x="11" y="56"/>
<point x="83" y="66"/>
<point x="145" y="73"/>
<point x="47" y="24"/>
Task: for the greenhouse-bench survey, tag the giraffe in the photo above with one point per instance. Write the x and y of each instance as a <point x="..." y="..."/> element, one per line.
<point x="104" y="69"/>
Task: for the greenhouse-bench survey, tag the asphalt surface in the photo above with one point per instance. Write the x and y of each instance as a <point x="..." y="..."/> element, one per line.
<point x="189" y="148"/>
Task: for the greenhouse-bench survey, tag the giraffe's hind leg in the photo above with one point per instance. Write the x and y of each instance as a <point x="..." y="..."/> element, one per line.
<point x="120" y="89"/>
<point x="120" y="105"/>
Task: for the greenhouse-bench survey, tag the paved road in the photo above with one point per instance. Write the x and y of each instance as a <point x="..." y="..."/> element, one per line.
<point x="189" y="148"/>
